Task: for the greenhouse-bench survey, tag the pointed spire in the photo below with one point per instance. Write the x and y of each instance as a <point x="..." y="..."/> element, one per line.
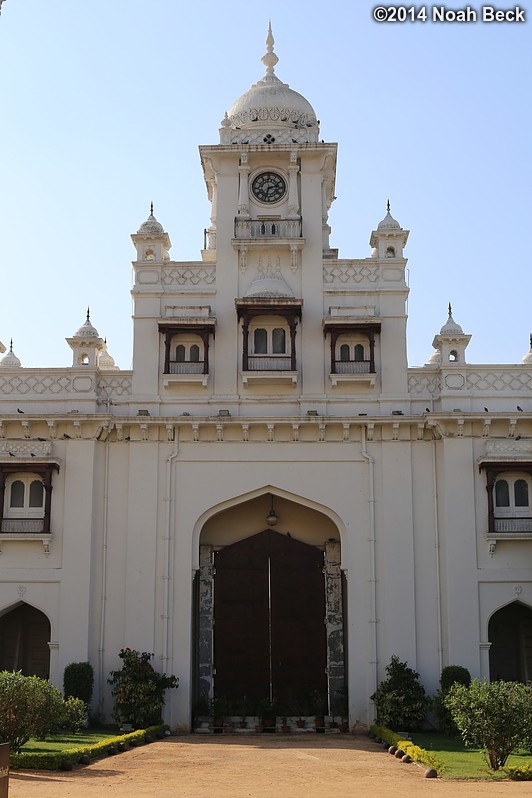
<point x="269" y="59"/>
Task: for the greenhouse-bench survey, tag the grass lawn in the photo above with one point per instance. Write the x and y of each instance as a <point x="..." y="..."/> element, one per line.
<point x="461" y="762"/>
<point x="65" y="740"/>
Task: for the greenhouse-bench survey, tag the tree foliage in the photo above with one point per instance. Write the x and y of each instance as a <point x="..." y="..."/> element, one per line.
<point x="495" y="716"/>
<point x="400" y="699"/>
<point x="138" y="690"/>
<point x="29" y="707"/>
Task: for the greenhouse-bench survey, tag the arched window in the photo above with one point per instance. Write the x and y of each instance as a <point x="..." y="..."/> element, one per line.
<point x="260" y="341"/>
<point x="278" y="341"/>
<point x="194" y="353"/>
<point x="17" y="494"/>
<point x="390" y="252"/>
<point x="36" y="494"/>
<point x="359" y="352"/>
<point x="180" y="353"/>
<point x="344" y="353"/>
<point x="521" y="493"/>
<point x="502" y="494"/>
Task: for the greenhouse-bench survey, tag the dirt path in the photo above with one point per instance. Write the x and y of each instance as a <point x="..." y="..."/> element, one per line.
<point x="251" y="767"/>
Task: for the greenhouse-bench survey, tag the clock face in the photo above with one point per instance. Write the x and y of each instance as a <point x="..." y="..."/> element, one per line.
<point x="268" y="187"/>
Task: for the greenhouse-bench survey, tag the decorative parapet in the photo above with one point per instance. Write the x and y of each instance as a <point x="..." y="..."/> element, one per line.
<point x="422" y="384"/>
<point x="347" y="272"/>
<point x="15" y="448"/>
<point x="114" y="385"/>
<point x="514" y="379"/>
<point x="190" y="274"/>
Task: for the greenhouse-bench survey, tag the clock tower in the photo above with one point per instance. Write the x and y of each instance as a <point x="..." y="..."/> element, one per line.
<point x="270" y="182"/>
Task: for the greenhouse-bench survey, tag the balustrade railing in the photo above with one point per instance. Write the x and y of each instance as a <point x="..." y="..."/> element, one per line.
<point x="269" y="363"/>
<point x="352" y="367"/>
<point x="189" y="367"/>
<point x="267" y="228"/>
<point x="22" y="526"/>
<point x="513" y="525"/>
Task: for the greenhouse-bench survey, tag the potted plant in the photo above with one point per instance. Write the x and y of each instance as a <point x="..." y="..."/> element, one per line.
<point x="221" y="709"/>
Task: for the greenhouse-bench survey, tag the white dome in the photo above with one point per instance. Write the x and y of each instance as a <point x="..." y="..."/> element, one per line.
<point x="105" y="360"/>
<point x="270" y="102"/>
<point x="451" y="327"/>
<point x="435" y="358"/>
<point x="151" y="227"/>
<point x="87" y="330"/>
<point x="10" y="360"/>
<point x="388" y="223"/>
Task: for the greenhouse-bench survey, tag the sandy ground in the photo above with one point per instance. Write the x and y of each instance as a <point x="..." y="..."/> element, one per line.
<point x="257" y="767"/>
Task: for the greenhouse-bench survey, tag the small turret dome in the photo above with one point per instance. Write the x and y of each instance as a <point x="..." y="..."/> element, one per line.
<point x="151" y="227"/>
<point x="105" y="361"/>
<point x="87" y="330"/>
<point x="435" y="358"/>
<point x="388" y="223"/>
<point x="10" y="360"/>
<point x="451" y="327"/>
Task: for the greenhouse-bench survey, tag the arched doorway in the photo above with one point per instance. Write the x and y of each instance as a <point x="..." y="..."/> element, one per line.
<point x="510" y="635"/>
<point x="269" y="603"/>
<point x="24" y="638"/>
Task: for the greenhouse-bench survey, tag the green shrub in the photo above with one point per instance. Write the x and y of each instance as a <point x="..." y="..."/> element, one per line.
<point x="74" y="714"/>
<point x="519" y="772"/>
<point x="451" y="674"/>
<point x="78" y="681"/>
<point x="138" y="689"/>
<point x="495" y="717"/>
<point x="400" y="700"/>
<point x="29" y="707"/>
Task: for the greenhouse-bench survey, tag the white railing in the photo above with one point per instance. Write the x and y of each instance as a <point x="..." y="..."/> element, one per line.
<point x="513" y="524"/>
<point x="352" y="367"/>
<point x="268" y="228"/>
<point x="23" y="526"/>
<point x="269" y="363"/>
<point x="180" y="367"/>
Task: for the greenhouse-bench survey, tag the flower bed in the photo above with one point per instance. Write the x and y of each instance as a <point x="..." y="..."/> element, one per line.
<point x="414" y="751"/>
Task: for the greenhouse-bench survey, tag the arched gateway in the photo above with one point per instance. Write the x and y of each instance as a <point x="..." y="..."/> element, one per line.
<point x="269" y="610"/>
<point x="510" y="635"/>
<point x="24" y="637"/>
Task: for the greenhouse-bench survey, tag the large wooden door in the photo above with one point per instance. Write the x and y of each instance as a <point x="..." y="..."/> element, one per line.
<point x="269" y="610"/>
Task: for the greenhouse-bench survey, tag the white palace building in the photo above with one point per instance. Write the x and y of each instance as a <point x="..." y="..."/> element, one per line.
<point x="271" y="501"/>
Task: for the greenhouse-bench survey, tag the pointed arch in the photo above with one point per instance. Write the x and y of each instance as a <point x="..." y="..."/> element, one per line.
<point x="510" y="636"/>
<point x="25" y="633"/>
<point x="238" y="500"/>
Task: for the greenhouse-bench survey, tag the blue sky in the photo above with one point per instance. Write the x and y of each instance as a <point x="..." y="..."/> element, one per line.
<point x="103" y="105"/>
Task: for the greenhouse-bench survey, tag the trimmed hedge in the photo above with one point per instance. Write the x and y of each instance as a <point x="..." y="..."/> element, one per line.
<point x="54" y="760"/>
<point x="414" y="751"/>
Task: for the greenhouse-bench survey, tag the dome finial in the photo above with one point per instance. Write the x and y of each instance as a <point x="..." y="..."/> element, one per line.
<point x="269" y="59"/>
<point x="450" y="310"/>
<point x="388" y="206"/>
<point x="151" y="208"/>
<point x="11" y="346"/>
<point x="88" y="314"/>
